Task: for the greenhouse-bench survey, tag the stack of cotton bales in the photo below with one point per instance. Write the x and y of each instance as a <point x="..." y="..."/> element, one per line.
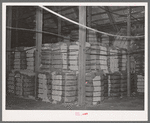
<point x="44" y="86"/>
<point x="30" y="58"/>
<point x="59" y="57"/>
<point x="28" y="82"/>
<point x="123" y="61"/>
<point x="19" y="60"/>
<point x="64" y="87"/>
<point x="94" y="50"/>
<point x="105" y="40"/>
<point x="73" y="56"/>
<point x="94" y="88"/>
<point x="95" y="56"/>
<point x="91" y="37"/>
<point x="46" y="58"/>
<point x="18" y="84"/>
<point x="103" y="59"/>
<point x="123" y="84"/>
<point x="11" y="82"/>
<point x="139" y="65"/>
<point x="140" y="83"/>
<point x="114" y="84"/>
<point x="114" y="60"/>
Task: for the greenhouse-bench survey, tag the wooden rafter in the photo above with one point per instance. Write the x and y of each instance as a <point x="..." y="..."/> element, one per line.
<point x="111" y="18"/>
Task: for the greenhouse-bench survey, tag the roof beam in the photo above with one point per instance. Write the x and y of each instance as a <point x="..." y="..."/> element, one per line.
<point x="111" y="18"/>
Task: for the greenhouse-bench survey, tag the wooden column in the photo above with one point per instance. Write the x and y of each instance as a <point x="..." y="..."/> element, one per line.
<point x="82" y="39"/>
<point x="38" y="43"/>
<point x="89" y="13"/>
<point x="8" y="35"/>
<point x="128" y="50"/>
<point x="59" y="25"/>
<point x="16" y="24"/>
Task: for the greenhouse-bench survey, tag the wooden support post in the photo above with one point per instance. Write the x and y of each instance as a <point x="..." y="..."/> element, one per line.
<point x="59" y="26"/>
<point x="82" y="39"/>
<point x="128" y="50"/>
<point x="16" y="24"/>
<point x="39" y="21"/>
<point x="8" y="36"/>
<point x="89" y="13"/>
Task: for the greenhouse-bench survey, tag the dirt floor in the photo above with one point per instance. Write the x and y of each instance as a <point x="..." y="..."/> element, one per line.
<point x="126" y="103"/>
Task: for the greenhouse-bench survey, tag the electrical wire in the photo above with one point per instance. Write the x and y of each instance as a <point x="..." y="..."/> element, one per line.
<point x="86" y="26"/>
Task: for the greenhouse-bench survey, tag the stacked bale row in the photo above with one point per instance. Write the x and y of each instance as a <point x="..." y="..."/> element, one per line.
<point x="113" y="60"/>
<point x="73" y="56"/>
<point x="140" y="83"/>
<point x="94" y="88"/>
<point x="103" y="57"/>
<point x="59" y="57"/>
<point x="139" y="67"/>
<point x="30" y="58"/>
<point x="91" y="37"/>
<point x="21" y="83"/>
<point x="44" y="86"/>
<point x="139" y="72"/>
<point x="28" y="82"/>
<point x="44" y="76"/>
<point x="95" y="55"/>
<point x="18" y="84"/>
<point x="123" y="61"/>
<point x="46" y="60"/>
<point x="19" y="60"/>
<point x="114" y="84"/>
<point x="105" y="40"/>
<point x="11" y="82"/>
<point x="123" y="84"/>
<point x="64" y="87"/>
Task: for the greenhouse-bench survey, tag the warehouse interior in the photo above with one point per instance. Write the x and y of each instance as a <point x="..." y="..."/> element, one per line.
<point x="75" y="57"/>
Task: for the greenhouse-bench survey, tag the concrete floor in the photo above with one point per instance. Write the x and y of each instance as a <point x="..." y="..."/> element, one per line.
<point x="126" y="103"/>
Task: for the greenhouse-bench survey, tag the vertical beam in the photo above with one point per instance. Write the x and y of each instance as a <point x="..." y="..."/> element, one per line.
<point x="16" y="24"/>
<point x="82" y="39"/>
<point x="89" y="18"/>
<point x="8" y="35"/>
<point x="59" y="24"/>
<point x="39" y="21"/>
<point x="128" y="50"/>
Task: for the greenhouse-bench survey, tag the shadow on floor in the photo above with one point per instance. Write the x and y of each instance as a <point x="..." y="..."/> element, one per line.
<point x="127" y="103"/>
